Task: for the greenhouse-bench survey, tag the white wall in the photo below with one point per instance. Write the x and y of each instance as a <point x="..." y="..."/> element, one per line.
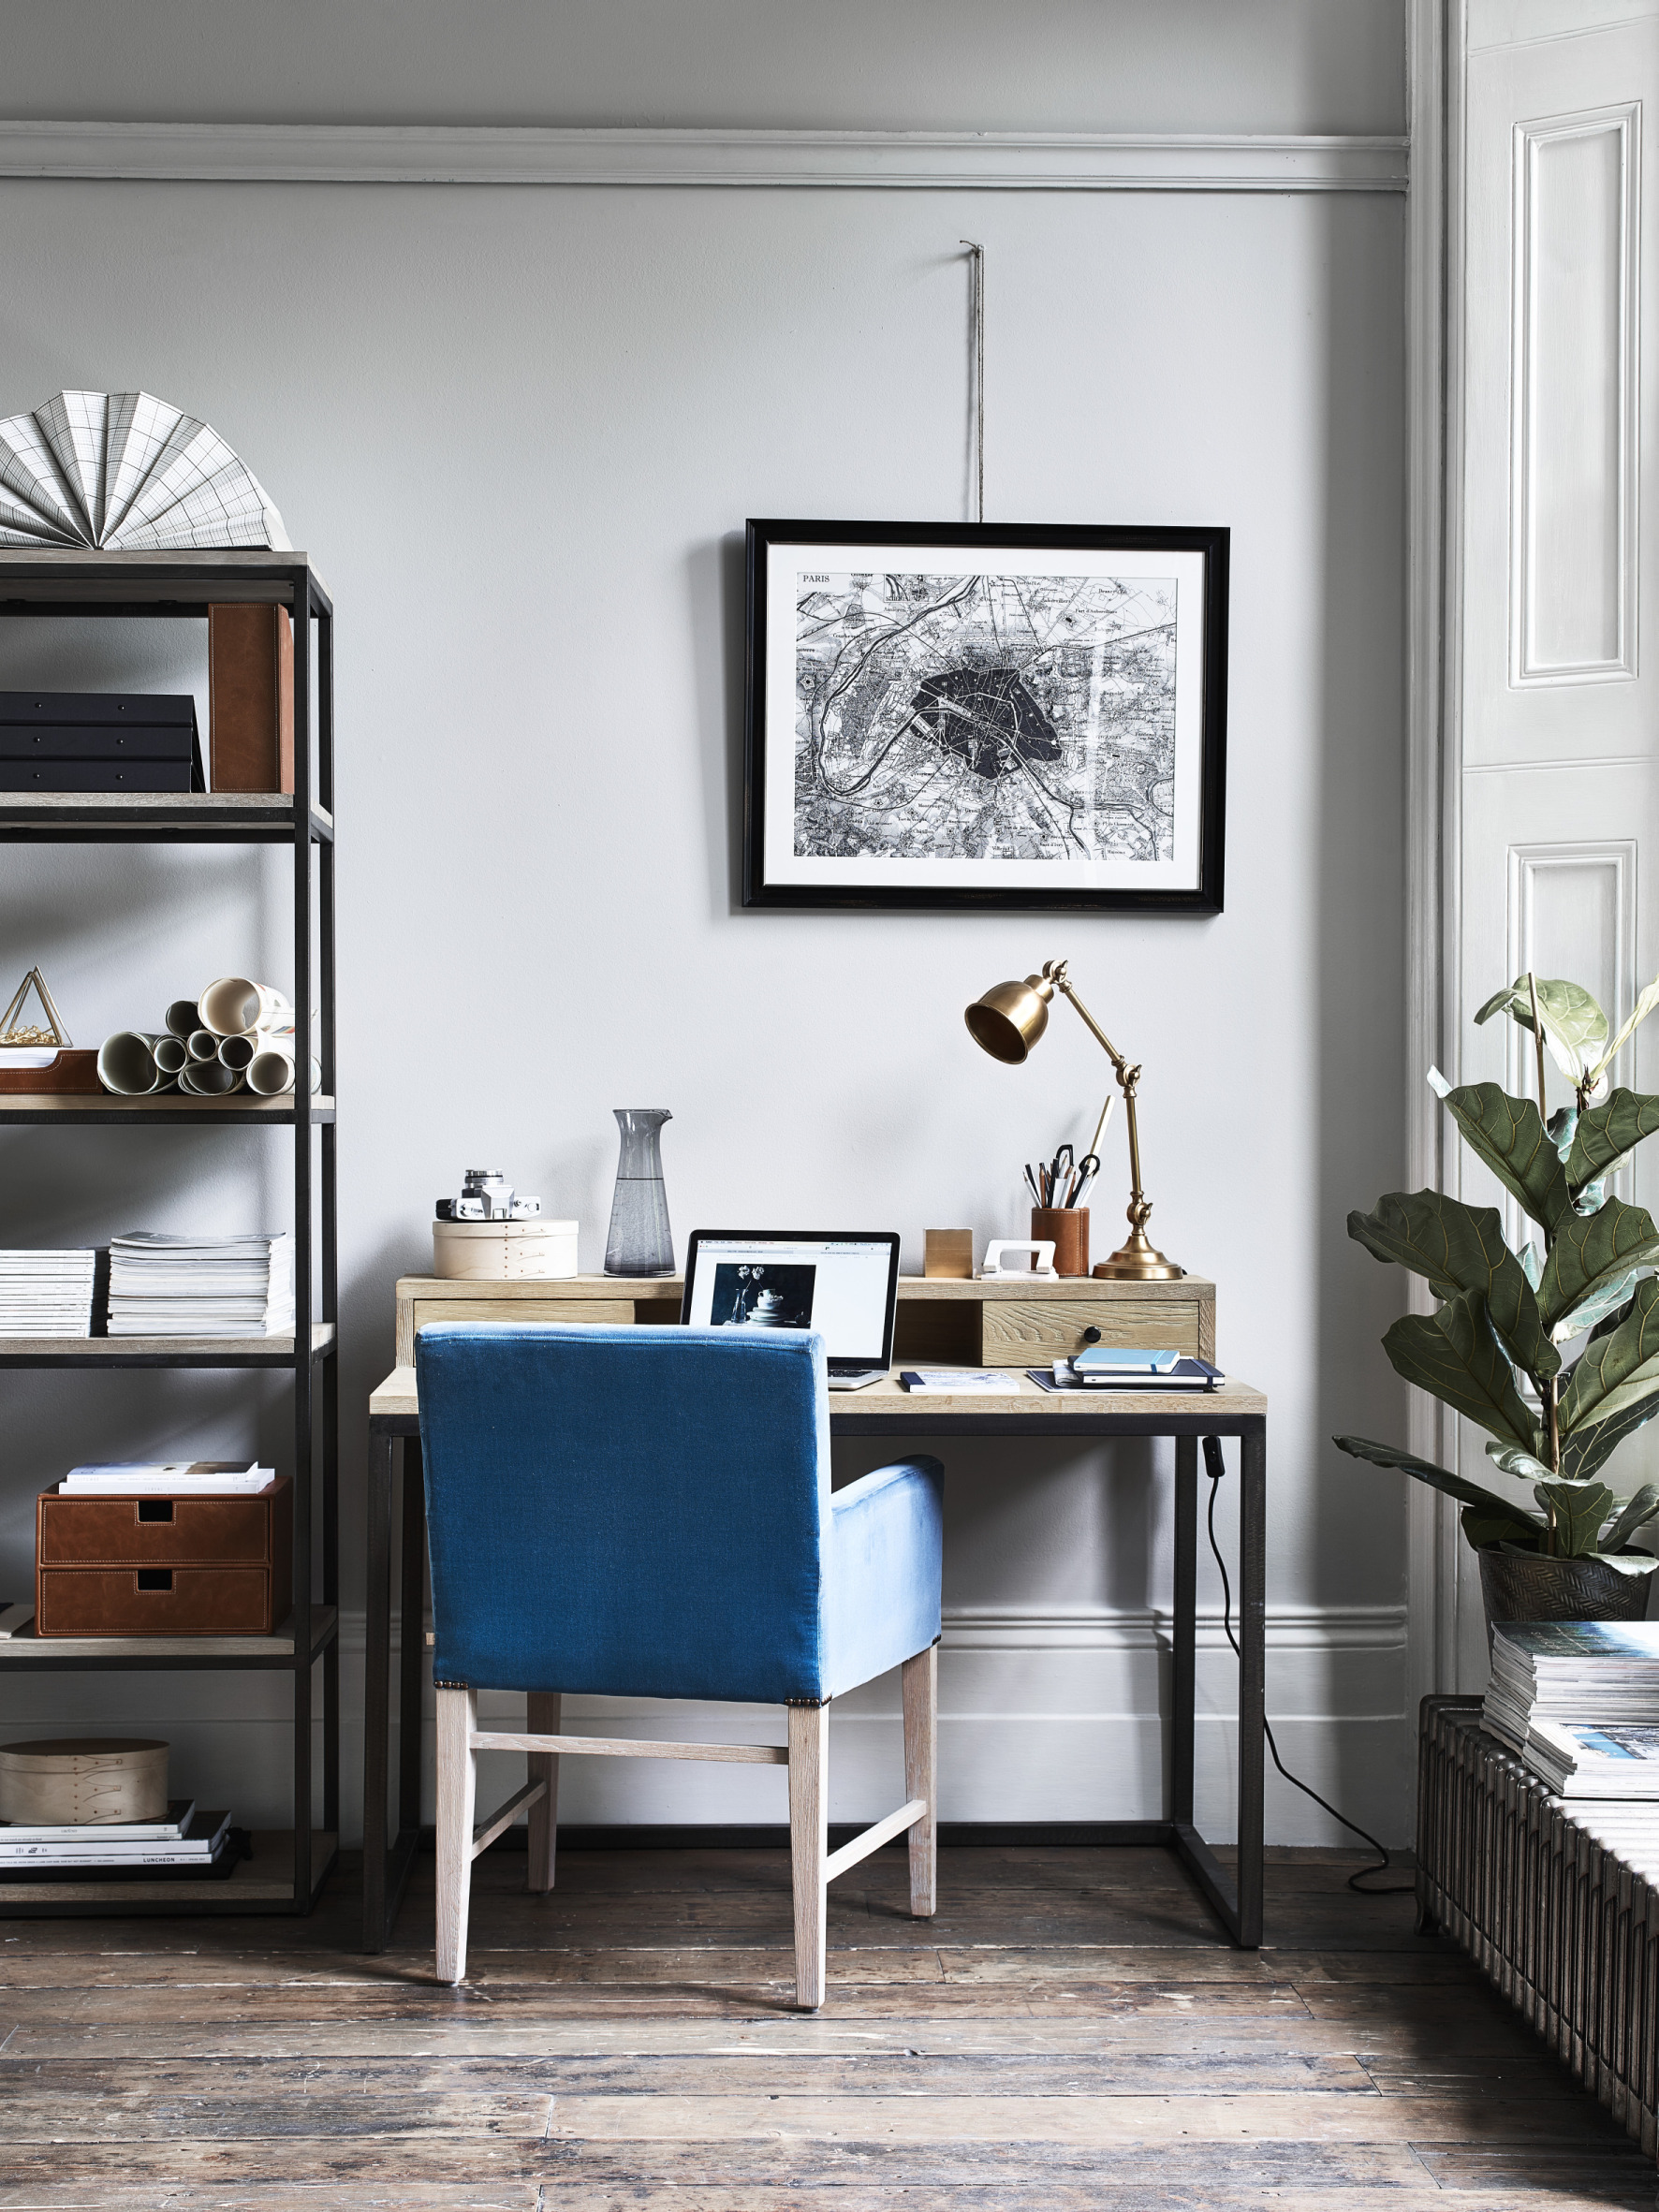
<point x="519" y="430"/>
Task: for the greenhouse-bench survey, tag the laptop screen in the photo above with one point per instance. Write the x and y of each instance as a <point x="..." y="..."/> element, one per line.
<point x="842" y="1286"/>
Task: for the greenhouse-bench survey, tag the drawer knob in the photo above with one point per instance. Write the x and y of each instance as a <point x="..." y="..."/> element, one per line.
<point x="1091" y="1336"/>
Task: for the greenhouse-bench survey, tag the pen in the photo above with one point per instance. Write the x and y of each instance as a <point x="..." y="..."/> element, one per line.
<point x="1031" y="1186"/>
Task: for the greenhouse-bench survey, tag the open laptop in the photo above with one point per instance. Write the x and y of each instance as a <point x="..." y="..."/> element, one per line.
<point x="846" y="1287"/>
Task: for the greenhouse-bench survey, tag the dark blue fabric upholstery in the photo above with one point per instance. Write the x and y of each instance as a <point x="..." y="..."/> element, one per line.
<point x="647" y="1513"/>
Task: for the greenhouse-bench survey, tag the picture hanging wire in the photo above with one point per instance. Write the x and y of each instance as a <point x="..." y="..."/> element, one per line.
<point x="977" y="256"/>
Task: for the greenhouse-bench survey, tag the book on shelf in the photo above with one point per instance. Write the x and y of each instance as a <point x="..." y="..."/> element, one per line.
<point x="15" y="1614"/>
<point x="181" y="1478"/>
<point x="201" y="1286"/>
<point x="206" y="1850"/>
<point x="179" y="1813"/>
<point x="1122" y="1359"/>
<point x="1581" y="1759"/>
<point x="1580" y="1671"/>
<point x="47" y="1294"/>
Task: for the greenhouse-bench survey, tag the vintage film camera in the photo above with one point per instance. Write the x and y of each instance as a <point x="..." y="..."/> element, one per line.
<point x="486" y="1195"/>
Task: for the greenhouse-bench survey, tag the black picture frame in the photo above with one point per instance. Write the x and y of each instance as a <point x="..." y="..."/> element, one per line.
<point x="1197" y="816"/>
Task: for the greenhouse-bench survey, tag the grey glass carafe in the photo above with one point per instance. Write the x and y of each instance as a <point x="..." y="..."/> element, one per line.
<point x="639" y="1242"/>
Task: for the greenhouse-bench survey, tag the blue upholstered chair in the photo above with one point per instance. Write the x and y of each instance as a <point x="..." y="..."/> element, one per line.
<point x="647" y="1513"/>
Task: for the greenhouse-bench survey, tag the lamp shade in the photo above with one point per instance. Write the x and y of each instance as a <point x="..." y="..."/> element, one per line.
<point x="1007" y="1022"/>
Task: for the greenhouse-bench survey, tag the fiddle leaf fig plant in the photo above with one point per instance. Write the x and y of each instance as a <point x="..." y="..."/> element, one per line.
<point x="1499" y="1347"/>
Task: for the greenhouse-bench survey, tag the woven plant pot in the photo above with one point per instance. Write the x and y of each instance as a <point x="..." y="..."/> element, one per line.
<point x="1515" y="1587"/>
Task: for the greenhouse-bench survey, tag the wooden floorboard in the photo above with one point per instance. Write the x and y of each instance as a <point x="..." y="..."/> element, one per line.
<point x="1071" y="2032"/>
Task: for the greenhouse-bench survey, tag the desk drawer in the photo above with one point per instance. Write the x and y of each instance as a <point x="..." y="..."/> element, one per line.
<point x="591" y="1312"/>
<point x="1017" y="1332"/>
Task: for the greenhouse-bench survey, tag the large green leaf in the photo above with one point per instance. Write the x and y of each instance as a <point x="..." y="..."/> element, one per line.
<point x="1618" y="1371"/>
<point x="1453" y="1355"/>
<point x="1591" y="1254"/>
<point x="1575" y="1028"/>
<point x="1590" y="1446"/>
<point x="1508" y="1136"/>
<point x="1461" y="1248"/>
<point x="1512" y="1461"/>
<point x="1580" y="1510"/>
<point x="1605" y="1135"/>
<point x="1515" y="1518"/>
<point x="1634" y="1514"/>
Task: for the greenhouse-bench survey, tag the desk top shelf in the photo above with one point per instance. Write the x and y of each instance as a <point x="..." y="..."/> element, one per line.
<point x="942" y="1321"/>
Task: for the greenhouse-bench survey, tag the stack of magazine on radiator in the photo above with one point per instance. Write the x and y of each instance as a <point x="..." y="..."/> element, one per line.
<point x="184" y="1845"/>
<point x="201" y="1286"/>
<point x="1578" y="1702"/>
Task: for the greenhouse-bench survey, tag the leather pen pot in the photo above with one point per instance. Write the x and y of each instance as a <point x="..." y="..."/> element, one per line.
<point x="1068" y="1227"/>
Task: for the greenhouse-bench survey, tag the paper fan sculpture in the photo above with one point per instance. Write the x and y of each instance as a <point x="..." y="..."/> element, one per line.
<point x="126" y="472"/>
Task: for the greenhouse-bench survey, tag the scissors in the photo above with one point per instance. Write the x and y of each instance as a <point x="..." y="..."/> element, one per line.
<point x="1056" y="1186"/>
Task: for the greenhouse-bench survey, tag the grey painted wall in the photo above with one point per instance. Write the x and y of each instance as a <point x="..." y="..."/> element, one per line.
<point x="519" y="431"/>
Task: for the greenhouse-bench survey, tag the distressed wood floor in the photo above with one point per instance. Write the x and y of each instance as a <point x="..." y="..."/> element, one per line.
<point x="1069" y="2033"/>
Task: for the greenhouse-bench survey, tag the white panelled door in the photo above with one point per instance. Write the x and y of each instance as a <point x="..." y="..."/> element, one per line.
<point x="1557" y="617"/>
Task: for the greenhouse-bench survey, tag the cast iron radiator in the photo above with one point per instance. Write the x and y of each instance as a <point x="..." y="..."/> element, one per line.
<point x="1537" y="1893"/>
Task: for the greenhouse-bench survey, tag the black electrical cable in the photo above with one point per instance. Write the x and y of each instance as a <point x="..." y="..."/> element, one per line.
<point x="1215" y="1467"/>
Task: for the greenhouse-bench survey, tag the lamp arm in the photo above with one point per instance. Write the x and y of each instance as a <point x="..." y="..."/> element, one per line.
<point x="1128" y="1081"/>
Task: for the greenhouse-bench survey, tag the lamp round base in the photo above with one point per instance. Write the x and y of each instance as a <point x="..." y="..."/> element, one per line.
<point x="1137" y="1262"/>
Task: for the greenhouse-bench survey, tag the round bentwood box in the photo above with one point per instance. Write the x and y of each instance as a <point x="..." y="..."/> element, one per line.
<point x="83" y="1779"/>
<point x="503" y="1252"/>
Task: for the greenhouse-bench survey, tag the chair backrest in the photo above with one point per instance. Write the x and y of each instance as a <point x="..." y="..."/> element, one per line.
<point x="632" y="1510"/>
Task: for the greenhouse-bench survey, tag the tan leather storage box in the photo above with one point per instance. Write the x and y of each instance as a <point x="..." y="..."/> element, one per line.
<point x="191" y="1566"/>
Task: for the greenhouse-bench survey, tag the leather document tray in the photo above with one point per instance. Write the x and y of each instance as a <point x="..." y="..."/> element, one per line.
<point x="88" y="741"/>
<point x="133" y="1565"/>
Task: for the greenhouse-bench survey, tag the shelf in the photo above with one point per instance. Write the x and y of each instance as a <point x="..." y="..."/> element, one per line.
<point x="70" y="579"/>
<point x="266" y="1879"/>
<point x="171" y="1110"/>
<point x="175" y="817"/>
<point x="27" y="1649"/>
<point x="116" y="1351"/>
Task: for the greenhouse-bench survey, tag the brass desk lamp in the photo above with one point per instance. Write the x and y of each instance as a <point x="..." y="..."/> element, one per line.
<point x="1007" y="1022"/>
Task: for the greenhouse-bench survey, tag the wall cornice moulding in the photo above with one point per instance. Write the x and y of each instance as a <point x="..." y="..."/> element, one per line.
<point x="992" y="161"/>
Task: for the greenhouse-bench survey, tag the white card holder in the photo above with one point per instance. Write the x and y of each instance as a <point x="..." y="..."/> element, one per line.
<point x="1041" y="1269"/>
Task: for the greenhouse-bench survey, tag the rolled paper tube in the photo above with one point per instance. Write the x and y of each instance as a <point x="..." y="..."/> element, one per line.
<point x="237" y="1052"/>
<point x="234" y="1003"/>
<point x="170" y="1055"/>
<point x="127" y="1063"/>
<point x="206" y="1078"/>
<point x="182" y="1017"/>
<point x="271" y="1073"/>
<point x="202" y="1044"/>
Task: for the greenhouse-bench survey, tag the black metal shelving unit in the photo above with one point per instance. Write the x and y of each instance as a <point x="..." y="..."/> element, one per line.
<point x="184" y="585"/>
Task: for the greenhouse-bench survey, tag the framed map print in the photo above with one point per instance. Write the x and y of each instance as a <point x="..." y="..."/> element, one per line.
<point x="986" y="716"/>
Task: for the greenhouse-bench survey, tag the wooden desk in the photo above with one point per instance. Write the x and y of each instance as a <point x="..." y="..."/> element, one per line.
<point x="1009" y="1325"/>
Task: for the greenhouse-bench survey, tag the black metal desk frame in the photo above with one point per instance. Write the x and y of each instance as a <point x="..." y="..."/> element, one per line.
<point x="1236" y="1902"/>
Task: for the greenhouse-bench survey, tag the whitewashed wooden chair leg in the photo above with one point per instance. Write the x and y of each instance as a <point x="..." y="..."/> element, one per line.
<point x="542" y="1712"/>
<point x="920" y="1678"/>
<point x="458" y="1718"/>
<point x="809" y="1845"/>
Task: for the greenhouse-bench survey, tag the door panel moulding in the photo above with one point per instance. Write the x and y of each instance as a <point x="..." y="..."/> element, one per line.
<point x="995" y="161"/>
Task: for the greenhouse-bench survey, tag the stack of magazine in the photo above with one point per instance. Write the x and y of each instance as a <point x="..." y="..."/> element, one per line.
<point x="201" y="1286"/>
<point x="46" y="1294"/>
<point x="185" y="1845"/>
<point x="1578" y="1701"/>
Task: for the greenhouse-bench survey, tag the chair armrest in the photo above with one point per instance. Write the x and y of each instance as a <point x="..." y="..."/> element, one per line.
<point x="883" y="1562"/>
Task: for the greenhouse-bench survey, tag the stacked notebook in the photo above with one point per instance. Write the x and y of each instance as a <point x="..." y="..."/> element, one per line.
<point x="201" y="1286"/>
<point x="1574" y="1759"/>
<point x="187" y="1844"/>
<point x="1578" y="1701"/>
<point x="171" y="1478"/>
<point x="46" y="1294"/>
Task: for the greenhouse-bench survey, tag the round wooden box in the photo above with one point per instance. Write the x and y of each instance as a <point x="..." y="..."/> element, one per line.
<point x="503" y="1252"/>
<point x="95" y="1778"/>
